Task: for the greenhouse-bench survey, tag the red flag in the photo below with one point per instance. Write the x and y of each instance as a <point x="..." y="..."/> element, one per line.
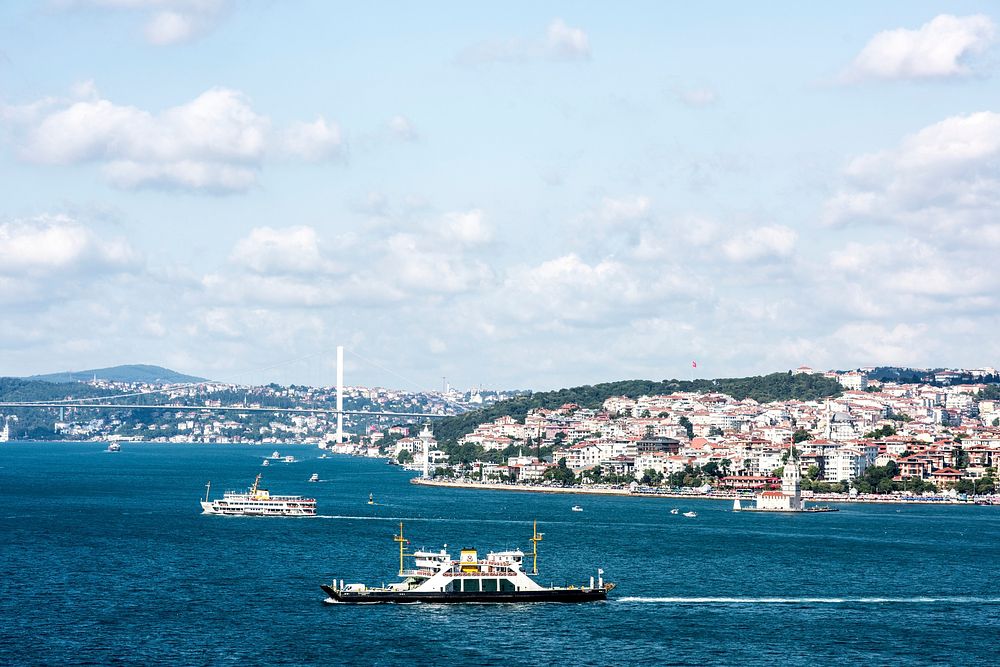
<point x="694" y="364"/>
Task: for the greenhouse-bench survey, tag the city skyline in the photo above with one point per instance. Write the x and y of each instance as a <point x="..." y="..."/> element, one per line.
<point x="527" y="197"/>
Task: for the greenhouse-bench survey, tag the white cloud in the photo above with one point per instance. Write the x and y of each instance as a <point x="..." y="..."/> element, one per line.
<point x="281" y="251"/>
<point x="623" y="210"/>
<point x="938" y="49"/>
<point x="315" y="141"/>
<point x="561" y="42"/>
<point x="50" y="259"/>
<point x="48" y="245"/>
<point x="214" y="143"/>
<point x="167" y="21"/>
<point x="697" y="97"/>
<point x="402" y="128"/>
<point x="761" y="243"/>
<point x="567" y="42"/>
<point x="944" y="178"/>
<point x="466" y="227"/>
<point x="567" y="289"/>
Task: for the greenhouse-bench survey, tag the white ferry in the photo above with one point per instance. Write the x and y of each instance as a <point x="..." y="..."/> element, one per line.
<point x="114" y="447"/>
<point x="257" y="502"/>
<point x="436" y="577"/>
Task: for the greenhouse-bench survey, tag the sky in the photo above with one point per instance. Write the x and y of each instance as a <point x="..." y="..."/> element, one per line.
<point x="517" y="195"/>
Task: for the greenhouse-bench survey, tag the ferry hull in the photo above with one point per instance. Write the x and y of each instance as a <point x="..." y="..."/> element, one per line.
<point x="403" y="597"/>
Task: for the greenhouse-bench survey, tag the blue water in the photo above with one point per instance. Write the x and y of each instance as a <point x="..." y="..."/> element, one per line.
<point x="105" y="558"/>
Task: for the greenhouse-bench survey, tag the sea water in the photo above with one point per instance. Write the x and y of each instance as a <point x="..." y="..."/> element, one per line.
<point x="106" y="558"/>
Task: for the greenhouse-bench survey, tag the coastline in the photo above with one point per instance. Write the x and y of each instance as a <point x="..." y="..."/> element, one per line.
<point x="583" y="491"/>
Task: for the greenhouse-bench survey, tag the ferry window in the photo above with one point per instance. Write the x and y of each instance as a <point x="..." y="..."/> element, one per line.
<point x="506" y="586"/>
<point x="490" y="585"/>
<point x="471" y="586"/>
<point x="450" y="587"/>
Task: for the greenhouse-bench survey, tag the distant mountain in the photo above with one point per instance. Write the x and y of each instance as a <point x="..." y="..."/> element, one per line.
<point x="128" y="373"/>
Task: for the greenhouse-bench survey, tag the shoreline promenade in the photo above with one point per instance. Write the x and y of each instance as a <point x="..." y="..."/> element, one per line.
<point x="592" y="491"/>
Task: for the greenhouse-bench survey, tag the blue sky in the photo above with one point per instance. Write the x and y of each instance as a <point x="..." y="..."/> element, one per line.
<point x="530" y="195"/>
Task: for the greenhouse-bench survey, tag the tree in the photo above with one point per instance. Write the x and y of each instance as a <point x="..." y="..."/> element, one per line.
<point x="801" y="435"/>
<point x="651" y="477"/>
<point x="714" y="431"/>
<point x="404" y="457"/>
<point x="560" y="473"/>
<point x="793" y="450"/>
<point x="812" y="473"/>
<point x="961" y="458"/>
<point x="688" y="426"/>
<point x="882" y="432"/>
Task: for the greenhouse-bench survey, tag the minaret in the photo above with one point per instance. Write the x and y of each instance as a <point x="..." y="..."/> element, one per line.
<point x="426" y="438"/>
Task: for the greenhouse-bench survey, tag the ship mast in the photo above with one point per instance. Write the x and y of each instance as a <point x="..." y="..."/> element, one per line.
<point x="402" y="545"/>
<point x="208" y="489"/>
<point x="536" y="537"/>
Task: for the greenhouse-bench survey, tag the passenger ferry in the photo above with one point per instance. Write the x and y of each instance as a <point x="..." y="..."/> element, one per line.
<point x="436" y="577"/>
<point x="257" y="502"/>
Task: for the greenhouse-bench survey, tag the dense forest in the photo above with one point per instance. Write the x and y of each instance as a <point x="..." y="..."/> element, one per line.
<point x="761" y="388"/>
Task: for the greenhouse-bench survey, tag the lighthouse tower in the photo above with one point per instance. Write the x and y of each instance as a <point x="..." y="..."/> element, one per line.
<point x="791" y="481"/>
<point x="426" y="440"/>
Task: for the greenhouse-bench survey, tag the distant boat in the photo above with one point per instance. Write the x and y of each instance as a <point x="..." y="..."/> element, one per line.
<point x="371" y="499"/>
<point x="577" y="508"/>
<point x="322" y="456"/>
<point x="315" y="477"/>
<point x="690" y="515"/>
<point x="266" y="463"/>
<point x="289" y="459"/>
<point x="114" y="447"/>
<point x="675" y="511"/>
<point x="275" y="455"/>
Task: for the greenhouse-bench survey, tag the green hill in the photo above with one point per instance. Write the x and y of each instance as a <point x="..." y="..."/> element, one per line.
<point x="761" y="388"/>
<point x="127" y="373"/>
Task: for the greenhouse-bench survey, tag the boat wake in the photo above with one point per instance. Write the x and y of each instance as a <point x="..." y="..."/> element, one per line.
<point x="816" y="600"/>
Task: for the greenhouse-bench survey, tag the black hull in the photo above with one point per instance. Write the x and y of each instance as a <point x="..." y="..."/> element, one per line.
<point x="403" y="597"/>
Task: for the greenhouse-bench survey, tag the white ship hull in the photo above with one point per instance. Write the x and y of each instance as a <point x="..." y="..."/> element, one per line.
<point x="257" y="509"/>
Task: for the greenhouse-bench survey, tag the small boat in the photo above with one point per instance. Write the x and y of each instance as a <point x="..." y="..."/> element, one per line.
<point x="675" y="511"/>
<point x="690" y="515"/>
<point x="315" y="477"/>
<point x="371" y="499"/>
<point x="501" y="576"/>
<point x="114" y="447"/>
<point x="322" y="456"/>
<point x="577" y="508"/>
<point x="266" y="463"/>
<point x="289" y="459"/>
<point x="275" y="455"/>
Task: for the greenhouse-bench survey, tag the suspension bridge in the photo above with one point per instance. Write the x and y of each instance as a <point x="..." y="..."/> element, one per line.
<point x="98" y="403"/>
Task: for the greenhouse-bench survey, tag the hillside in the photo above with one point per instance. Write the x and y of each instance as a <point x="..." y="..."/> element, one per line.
<point x="761" y="388"/>
<point x="127" y="373"/>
